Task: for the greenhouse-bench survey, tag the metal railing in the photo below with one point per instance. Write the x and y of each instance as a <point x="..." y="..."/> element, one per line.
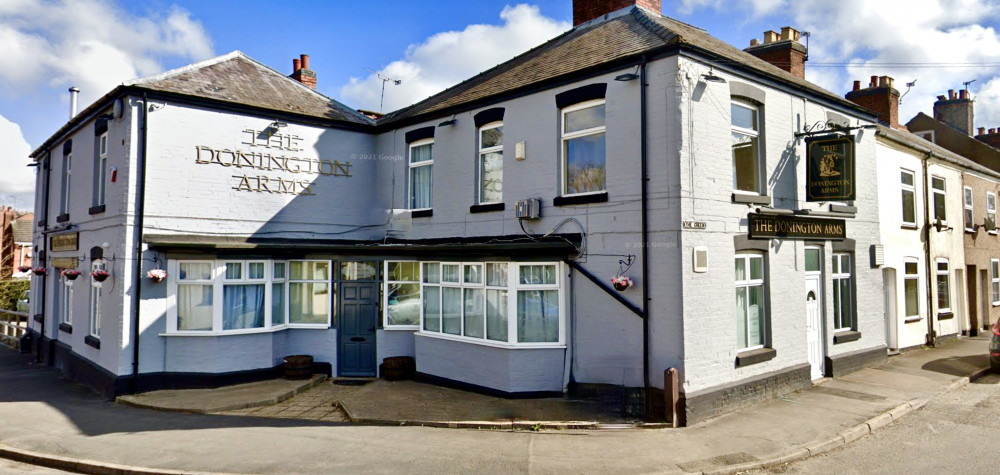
<point x="13" y="325"/>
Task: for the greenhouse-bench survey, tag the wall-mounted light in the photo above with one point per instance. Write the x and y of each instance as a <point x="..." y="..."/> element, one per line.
<point x="273" y="127"/>
<point x="628" y="76"/>
<point x="451" y="121"/>
<point x="711" y="77"/>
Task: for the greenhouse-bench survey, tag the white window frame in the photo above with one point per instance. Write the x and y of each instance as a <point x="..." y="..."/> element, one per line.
<point x="991" y="211"/>
<point x="66" y="297"/>
<point x="904" y="188"/>
<point x="995" y="281"/>
<point x="756" y="134"/>
<point x="95" y="301"/>
<point x="969" y="215"/>
<point x="749" y="283"/>
<point x="916" y="277"/>
<point x="938" y="274"/>
<point x="837" y="275"/>
<point x="412" y="166"/>
<point x="386" y="281"/>
<point x="483" y="152"/>
<point x="102" y="170"/>
<point x="567" y="136"/>
<point x="66" y="183"/>
<point x="943" y="194"/>
<point x="218" y="280"/>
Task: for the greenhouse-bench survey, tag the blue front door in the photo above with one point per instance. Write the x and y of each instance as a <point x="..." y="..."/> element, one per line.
<point x="358" y="316"/>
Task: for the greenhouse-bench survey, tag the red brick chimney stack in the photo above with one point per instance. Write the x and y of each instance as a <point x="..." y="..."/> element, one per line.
<point x="990" y="137"/>
<point x="783" y="51"/>
<point x="302" y="73"/>
<point x="880" y="97"/>
<point x="955" y="110"/>
<point x="586" y="10"/>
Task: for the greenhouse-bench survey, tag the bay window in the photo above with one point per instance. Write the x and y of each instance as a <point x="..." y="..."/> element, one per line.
<point x="501" y="302"/>
<point x="243" y="295"/>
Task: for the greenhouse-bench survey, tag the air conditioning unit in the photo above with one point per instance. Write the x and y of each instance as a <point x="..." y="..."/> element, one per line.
<point x="530" y="208"/>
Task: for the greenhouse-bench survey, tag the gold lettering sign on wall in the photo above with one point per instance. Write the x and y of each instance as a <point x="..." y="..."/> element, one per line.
<point x="65" y="262"/>
<point x="830" y="168"/>
<point x="268" y="161"/>
<point x="764" y="226"/>
<point x="64" y="242"/>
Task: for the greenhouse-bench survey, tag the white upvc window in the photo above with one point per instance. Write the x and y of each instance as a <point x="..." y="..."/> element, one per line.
<point x="751" y="308"/>
<point x="906" y="186"/>
<point x="583" y="148"/>
<point x="991" y="212"/>
<point x="247" y="296"/>
<point x="95" y="300"/>
<point x="969" y="217"/>
<point x="101" y="175"/>
<point x="943" y="286"/>
<point x="402" y="295"/>
<point x="65" y="301"/>
<point x="843" y="292"/>
<point x="939" y="199"/>
<point x="911" y="289"/>
<point x="995" y="281"/>
<point x="67" y="173"/>
<point x="747" y="150"/>
<point x="491" y="163"/>
<point x="421" y="183"/>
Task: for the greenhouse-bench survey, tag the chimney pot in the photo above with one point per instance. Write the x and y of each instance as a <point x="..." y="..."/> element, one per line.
<point x="754" y="42"/>
<point x="73" y="93"/>
<point x="993" y="131"/>
<point x="963" y="94"/>
<point x="857" y="85"/>
<point x="296" y="64"/>
<point x="874" y="82"/>
<point x="981" y="131"/>
<point x="940" y="98"/>
<point x="770" y="36"/>
<point x="789" y="33"/>
<point x="305" y="61"/>
<point x="951" y="94"/>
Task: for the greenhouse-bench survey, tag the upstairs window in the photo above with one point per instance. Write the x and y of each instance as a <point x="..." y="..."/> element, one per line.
<point x="938" y="189"/>
<point x="101" y="171"/>
<point x="908" y="198"/>
<point x="491" y="163"/>
<point x="991" y="212"/>
<point x="970" y="225"/>
<point x="747" y="153"/>
<point x="421" y="174"/>
<point x="67" y="173"/>
<point x="583" y="148"/>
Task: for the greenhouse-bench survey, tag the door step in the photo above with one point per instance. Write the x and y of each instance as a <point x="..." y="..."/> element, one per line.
<point x="348" y="381"/>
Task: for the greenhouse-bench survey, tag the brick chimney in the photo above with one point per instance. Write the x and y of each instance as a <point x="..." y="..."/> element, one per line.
<point x="302" y="73"/>
<point x="955" y="110"/>
<point x="586" y="10"/>
<point x="783" y="51"/>
<point x="991" y="137"/>
<point x="880" y="97"/>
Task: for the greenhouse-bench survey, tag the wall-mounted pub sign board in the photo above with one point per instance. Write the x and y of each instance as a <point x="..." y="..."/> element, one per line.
<point x="764" y="226"/>
<point x="64" y="242"/>
<point x="830" y="168"/>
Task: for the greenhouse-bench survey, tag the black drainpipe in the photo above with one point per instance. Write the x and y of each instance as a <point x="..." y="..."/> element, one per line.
<point x="47" y="167"/>
<point x="928" y="265"/>
<point x="140" y="193"/>
<point x="644" y="227"/>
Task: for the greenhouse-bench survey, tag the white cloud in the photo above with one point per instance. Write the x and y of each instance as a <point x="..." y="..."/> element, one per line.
<point x="444" y="59"/>
<point x="17" y="180"/>
<point x="90" y="44"/>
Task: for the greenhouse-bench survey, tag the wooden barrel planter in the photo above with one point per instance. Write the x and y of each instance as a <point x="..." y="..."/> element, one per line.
<point x="397" y="368"/>
<point x="298" y="367"/>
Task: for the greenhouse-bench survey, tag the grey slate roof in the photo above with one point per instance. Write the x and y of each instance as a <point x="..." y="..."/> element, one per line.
<point x="21" y="228"/>
<point x="599" y="43"/>
<point x="910" y="139"/>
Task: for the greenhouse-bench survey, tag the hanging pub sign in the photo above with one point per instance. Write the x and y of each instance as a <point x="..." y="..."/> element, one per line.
<point x="830" y="168"/>
<point x="766" y="226"/>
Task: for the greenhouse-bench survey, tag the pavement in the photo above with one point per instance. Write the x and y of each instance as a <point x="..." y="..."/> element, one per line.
<point x="302" y="427"/>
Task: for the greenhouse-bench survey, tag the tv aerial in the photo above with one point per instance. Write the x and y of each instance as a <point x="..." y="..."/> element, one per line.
<point x="384" y="80"/>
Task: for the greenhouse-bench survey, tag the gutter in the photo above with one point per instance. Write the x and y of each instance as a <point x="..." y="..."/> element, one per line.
<point x="140" y="193"/>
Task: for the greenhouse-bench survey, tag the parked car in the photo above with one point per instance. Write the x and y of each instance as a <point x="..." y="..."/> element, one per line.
<point x="22" y="303"/>
<point x="995" y="348"/>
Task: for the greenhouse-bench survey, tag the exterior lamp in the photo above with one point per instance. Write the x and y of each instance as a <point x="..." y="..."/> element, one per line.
<point x="273" y="127"/>
<point x="711" y="77"/>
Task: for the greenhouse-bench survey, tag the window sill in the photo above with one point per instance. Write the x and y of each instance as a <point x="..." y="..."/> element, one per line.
<point x="912" y="319"/>
<point x="843" y="209"/>
<point x="753" y="357"/>
<point x="93" y="341"/>
<point x="41" y="223"/>
<point x="62" y="218"/>
<point x="422" y="213"/>
<point x="751" y="199"/>
<point x="405" y="328"/>
<point x="600" y="197"/>
<point x="946" y="315"/>
<point x="38" y="317"/>
<point x="65" y="327"/>
<point x="846" y="336"/>
<point x="992" y="232"/>
<point x="908" y="226"/>
<point x="494" y="344"/>
<point x="253" y="331"/>
<point x="486" y="208"/>
<point x="970" y="231"/>
<point x="96" y="209"/>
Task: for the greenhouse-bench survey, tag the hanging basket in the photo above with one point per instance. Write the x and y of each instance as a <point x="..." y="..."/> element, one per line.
<point x="621" y="283"/>
<point x="157" y="275"/>
<point x="39" y="271"/>
<point x="71" y="274"/>
<point x="100" y="275"/>
<point x="23" y="269"/>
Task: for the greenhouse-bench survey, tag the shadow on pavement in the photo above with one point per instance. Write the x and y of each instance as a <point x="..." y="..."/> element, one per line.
<point x="957" y="365"/>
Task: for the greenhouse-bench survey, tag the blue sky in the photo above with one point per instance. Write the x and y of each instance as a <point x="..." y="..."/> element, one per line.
<point x="96" y="44"/>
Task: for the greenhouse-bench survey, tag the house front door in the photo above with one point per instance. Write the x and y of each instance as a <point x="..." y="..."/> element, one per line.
<point x="358" y="316"/>
<point x="814" y="340"/>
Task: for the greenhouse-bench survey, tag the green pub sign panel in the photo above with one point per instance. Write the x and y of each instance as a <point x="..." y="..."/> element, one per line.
<point x="765" y="226"/>
<point x="830" y="168"/>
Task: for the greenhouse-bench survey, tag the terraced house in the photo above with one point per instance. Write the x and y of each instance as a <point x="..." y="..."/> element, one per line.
<point x="478" y="231"/>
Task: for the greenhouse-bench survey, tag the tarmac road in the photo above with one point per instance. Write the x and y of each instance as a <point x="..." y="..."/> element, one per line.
<point x="957" y="432"/>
